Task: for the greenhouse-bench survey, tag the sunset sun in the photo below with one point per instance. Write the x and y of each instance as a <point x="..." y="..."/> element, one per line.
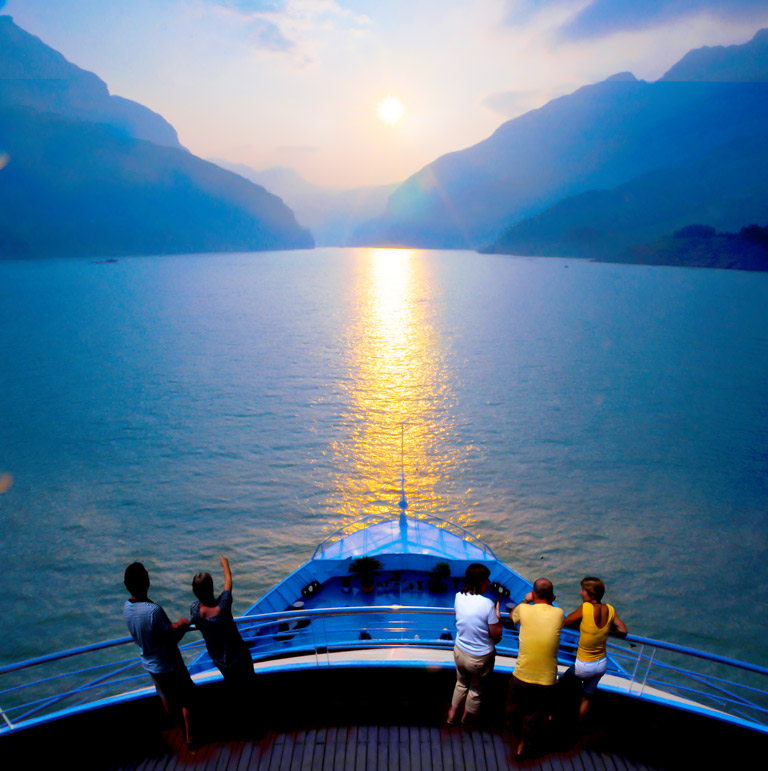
<point x="390" y="110"/>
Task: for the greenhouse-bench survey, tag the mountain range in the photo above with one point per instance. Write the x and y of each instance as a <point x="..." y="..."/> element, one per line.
<point x="83" y="172"/>
<point x="538" y="185"/>
<point x="332" y="214"/>
<point x="597" y="173"/>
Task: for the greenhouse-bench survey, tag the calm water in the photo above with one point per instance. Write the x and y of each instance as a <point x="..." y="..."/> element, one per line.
<point x="581" y="418"/>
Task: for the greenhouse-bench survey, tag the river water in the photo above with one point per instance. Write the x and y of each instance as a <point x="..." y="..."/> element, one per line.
<point x="579" y="417"/>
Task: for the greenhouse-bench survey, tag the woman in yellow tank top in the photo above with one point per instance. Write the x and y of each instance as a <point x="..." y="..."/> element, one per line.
<point x="595" y="620"/>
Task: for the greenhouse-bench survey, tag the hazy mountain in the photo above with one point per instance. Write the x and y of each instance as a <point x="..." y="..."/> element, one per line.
<point x="699" y="246"/>
<point x="599" y="137"/>
<point x="86" y="173"/>
<point x="738" y="63"/>
<point x="332" y="214"/>
<point x="35" y="75"/>
<point x="80" y="188"/>
<point x="726" y="188"/>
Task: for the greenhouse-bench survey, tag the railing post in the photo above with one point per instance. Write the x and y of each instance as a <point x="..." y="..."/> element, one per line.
<point x="5" y="717"/>
<point x="314" y="644"/>
<point x="637" y="664"/>
<point x="647" y="671"/>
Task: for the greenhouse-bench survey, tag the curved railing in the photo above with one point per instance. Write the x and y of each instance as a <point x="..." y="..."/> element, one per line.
<point x="105" y="672"/>
<point x="374" y="519"/>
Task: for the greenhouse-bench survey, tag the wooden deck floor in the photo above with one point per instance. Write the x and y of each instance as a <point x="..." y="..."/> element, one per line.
<point x="376" y="748"/>
<point x="372" y="719"/>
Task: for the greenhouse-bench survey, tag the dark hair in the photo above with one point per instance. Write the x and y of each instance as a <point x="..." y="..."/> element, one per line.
<point x="136" y="579"/>
<point x="543" y="589"/>
<point x="594" y="587"/>
<point x="202" y="586"/>
<point x="474" y="577"/>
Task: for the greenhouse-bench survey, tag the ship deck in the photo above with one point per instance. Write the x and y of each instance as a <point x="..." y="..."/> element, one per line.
<point x="383" y="718"/>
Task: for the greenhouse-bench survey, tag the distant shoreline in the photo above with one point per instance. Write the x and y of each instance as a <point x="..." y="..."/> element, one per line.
<point x="694" y="246"/>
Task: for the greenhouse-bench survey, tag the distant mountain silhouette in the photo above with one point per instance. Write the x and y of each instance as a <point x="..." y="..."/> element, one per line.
<point x="72" y="187"/>
<point x="699" y="246"/>
<point x="35" y="75"/>
<point x="599" y="137"/>
<point x="332" y="214"/>
<point x="747" y="63"/>
<point x="86" y="173"/>
<point x="726" y="188"/>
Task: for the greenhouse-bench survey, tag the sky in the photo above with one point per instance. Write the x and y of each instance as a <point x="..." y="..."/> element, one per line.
<point x="299" y="83"/>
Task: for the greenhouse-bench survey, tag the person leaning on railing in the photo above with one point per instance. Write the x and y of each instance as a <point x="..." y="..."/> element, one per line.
<point x="594" y="620"/>
<point x="531" y="687"/>
<point x="158" y="641"/>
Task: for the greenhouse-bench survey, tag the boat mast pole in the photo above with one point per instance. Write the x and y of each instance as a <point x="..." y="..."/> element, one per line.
<point x="403" y="504"/>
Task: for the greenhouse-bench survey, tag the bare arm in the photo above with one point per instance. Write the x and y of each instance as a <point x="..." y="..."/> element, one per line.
<point x="618" y="627"/>
<point x="179" y="629"/>
<point x="495" y="631"/>
<point x="574" y="619"/>
<point x="527" y="599"/>
<point x="227" y="573"/>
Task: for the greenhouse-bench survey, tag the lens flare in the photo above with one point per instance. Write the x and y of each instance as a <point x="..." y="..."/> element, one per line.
<point x="6" y="482"/>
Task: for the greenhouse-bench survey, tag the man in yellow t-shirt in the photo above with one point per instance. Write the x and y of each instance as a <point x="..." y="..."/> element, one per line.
<point x="530" y="688"/>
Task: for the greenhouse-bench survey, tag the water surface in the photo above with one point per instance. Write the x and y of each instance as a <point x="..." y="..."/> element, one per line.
<point x="579" y="417"/>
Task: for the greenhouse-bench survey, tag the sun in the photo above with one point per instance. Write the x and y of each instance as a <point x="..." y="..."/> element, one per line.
<point x="391" y="110"/>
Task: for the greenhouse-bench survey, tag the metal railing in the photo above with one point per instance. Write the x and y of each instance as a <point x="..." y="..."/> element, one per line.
<point x="640" y="668"/>
<point x="362" y="523"/>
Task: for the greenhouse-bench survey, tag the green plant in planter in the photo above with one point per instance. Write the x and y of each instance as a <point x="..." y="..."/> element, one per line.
<point x="437" y="576"/>
<point x="366" y="568"/>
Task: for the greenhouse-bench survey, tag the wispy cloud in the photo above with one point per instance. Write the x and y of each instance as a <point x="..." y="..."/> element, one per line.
<point x="291" y="26"/>
<point x="266" y="34"/>
<point x="590" y="19"/>
<point x="299" y="148"/>
<point x="253" y="6"/>
<point x="604" y="17"/>
<point x="521" y="12"/>
<point x="510" y="104"/>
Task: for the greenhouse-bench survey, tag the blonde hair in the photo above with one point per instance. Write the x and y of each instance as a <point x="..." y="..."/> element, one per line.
<point x="594" y="587"/>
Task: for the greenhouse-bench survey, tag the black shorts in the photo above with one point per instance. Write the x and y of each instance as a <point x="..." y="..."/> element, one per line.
<point x="175" y="687"/>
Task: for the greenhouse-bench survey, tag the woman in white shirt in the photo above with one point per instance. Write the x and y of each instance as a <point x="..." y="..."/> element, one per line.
<point x="478" y="628"/>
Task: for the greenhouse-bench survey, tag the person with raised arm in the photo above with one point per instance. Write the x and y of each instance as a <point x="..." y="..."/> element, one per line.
<point x="213" y="617"/>
<point x="158" y="641"/>
<point x="478" y="629"/>
<point x="595" y="620"/>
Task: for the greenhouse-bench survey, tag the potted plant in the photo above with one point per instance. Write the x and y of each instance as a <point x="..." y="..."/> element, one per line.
<point x="437" y="576"/>
<point x="365" y="568"/>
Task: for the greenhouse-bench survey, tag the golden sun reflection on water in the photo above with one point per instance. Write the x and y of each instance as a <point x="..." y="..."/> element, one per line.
<point x="399" y="381"/>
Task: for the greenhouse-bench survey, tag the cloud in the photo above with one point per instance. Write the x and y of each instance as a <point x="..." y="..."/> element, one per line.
<point x="509" y="103"/>
<point x="266" y="34"/>
<point x="604" y="17"/>
<point x="520" y="12"/>
<point x="253" y="6"/>
<point x="296" y="27"/>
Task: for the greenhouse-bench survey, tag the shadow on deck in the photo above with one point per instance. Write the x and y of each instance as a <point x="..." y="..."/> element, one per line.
<point x="373" y="719"/>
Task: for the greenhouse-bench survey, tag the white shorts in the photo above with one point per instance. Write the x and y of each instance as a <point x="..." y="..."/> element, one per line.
<point x="590" y="672"/>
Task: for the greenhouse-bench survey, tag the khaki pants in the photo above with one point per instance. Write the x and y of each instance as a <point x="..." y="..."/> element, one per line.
<point x="471" y="674"/>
